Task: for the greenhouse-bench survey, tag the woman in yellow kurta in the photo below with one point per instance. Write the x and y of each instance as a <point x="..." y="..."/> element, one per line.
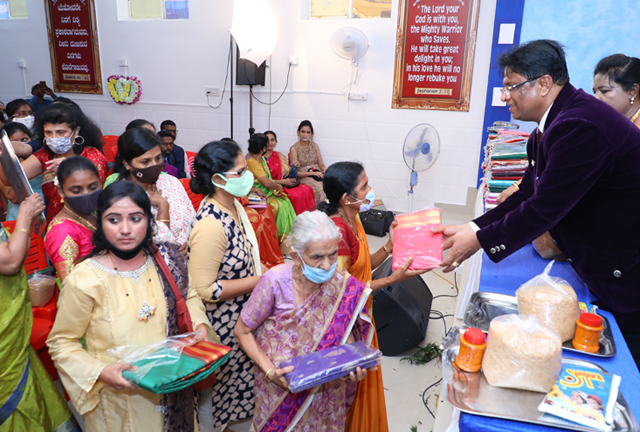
<point x="348" y="192"/>
<point x="277" y="199"/>
<point x="117" y="297"/>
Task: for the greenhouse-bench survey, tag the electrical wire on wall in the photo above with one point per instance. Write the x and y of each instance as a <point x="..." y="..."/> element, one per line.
<point x="224" y="87"/>
<point x="281" y="94"/>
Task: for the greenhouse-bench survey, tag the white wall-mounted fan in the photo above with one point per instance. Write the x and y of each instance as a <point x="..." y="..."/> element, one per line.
<point x="349" y="43"/>
<point x="420" y="150"/>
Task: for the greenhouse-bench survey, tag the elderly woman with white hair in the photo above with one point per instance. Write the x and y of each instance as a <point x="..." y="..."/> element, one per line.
<point x="297" y="309"/>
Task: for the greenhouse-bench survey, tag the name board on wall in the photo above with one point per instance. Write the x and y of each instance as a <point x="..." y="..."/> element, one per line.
<point x="435" y="46"/>
<point x="73" y="43"/>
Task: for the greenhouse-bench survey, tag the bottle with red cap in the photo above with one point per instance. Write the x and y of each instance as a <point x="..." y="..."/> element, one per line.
<point x="588" y="329"/>
<point x="472" y="345"/>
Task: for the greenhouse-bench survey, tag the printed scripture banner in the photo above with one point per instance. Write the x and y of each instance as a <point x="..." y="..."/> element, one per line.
<point x="435" y="46"/>
<point x="73" y="43"/>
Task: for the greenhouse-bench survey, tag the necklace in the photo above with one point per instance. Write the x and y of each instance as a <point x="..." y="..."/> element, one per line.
<point x="344" y="217"/>
<point x="146" y="311"/>
<point x="80" y="219"/>
<point x="635" y="116"/>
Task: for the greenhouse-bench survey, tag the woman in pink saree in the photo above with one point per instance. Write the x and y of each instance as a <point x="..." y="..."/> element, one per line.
<point x="297" y="309"/>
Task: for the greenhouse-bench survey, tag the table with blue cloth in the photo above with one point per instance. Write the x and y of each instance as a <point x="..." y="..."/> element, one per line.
<point x="506" y="277"/>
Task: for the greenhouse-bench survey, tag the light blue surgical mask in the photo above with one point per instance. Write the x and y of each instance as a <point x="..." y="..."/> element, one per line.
<point x="371" y="197"/>
<point x="315" y="274"/>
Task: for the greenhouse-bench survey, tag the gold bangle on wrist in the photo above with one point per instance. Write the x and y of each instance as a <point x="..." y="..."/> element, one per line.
<point x="165" y="221"/>
<point x="268" y="372"/>
<point x="384" y="248"/>
<point x="24" y="230"/>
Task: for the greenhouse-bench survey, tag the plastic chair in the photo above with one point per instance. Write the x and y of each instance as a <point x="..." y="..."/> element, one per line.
<point x="191" y="158"/>
<point x="195" y="198"/>
<point x="110" y="147"/>
<point x="37" y="256"/>
<point x="39" y="333"/>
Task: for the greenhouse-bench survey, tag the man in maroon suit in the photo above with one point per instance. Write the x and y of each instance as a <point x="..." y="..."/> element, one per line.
<point x="582" y="184"/>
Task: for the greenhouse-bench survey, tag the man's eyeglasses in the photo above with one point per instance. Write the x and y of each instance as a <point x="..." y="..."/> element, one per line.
<point x="508" y="89"/>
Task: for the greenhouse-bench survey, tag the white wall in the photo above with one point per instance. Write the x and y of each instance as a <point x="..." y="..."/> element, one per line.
<point x="175" y="60"/>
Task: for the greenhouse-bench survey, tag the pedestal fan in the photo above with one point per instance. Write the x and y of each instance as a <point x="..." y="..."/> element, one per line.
<point x="420" y="150"/>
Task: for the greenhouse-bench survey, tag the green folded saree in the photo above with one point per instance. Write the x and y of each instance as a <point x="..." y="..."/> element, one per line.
<point x="164" y="371"/>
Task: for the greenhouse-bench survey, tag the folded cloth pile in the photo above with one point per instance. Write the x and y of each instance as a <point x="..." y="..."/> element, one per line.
<point x="505" y="161"/>
<point x="165" y="372"/>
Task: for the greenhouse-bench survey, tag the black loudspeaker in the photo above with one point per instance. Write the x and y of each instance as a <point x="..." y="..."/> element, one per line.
<point x="401" y="312"/>
<point x="247" y="73"/>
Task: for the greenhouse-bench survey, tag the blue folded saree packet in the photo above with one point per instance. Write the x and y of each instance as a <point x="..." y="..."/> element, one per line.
<point x="326" y="365"/>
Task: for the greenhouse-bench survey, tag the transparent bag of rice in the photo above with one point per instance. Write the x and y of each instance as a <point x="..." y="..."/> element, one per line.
<point x="552" y="300"/>
<point x="522" y="354"/>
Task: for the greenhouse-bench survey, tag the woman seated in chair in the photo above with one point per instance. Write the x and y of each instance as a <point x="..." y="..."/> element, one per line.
<point x="301" y="196"/>
<point x="278" y="200"/>
<point x="305" y="154"/>
<point x="69" y="234"/>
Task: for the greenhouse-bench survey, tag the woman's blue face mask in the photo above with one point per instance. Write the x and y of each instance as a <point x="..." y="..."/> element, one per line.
<point x="316" y="274"/>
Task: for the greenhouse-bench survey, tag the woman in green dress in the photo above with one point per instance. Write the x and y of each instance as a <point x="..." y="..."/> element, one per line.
<point x="29" y="401"/>
<point x="277" y="199"/>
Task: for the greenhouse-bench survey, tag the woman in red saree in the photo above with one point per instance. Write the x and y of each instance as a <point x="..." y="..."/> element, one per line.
<point x="297" y="309"/>
<point x="301" y="196"/>
<point x="348" y="192"/>
<point x="66" y="132"/>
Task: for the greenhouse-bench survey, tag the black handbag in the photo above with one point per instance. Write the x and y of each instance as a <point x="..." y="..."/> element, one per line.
<point x="376" y="222"/>
<point x="293" y="173"/>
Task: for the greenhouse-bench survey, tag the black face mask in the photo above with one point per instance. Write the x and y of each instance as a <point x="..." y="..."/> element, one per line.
<point x="147" y="175"/>
<point x="125" y="255"/>
<point x="84" y="204"/>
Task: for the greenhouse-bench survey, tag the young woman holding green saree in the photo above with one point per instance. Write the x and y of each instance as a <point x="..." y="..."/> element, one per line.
<point x="277" y="199"/>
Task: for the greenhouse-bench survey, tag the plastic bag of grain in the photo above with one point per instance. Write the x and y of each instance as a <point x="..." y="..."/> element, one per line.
<point x="42" y="288"/>
<point x="522" y="353"/>
<point x="552" y="300"/>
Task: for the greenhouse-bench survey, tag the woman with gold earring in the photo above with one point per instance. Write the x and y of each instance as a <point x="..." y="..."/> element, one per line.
<point x="66" y="132"/>
<point x="69" y="234"/>
<point x="616" y="81"/>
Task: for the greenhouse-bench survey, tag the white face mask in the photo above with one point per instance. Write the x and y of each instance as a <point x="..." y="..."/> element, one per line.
<point x="28" y="121"/>
<point x="59" y="145"/>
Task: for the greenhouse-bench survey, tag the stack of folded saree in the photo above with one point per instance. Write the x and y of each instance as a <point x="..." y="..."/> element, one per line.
<point x="505" y="161"/>
<point x="326" y="365"/>
<point x="171" y="365"/>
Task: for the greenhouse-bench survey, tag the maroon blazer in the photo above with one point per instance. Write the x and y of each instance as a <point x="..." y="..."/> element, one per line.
<point x="583" y="185"/>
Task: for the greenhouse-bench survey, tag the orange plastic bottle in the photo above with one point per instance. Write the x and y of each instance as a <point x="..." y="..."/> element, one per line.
<point x="588" y="329"/>
<point x="472" y="345"/>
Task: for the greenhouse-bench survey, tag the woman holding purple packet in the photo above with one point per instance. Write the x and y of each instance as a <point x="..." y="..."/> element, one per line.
<point x="298" y="309"/>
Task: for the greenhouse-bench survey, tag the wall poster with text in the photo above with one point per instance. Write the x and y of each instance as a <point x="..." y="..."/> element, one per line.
<point x="435" y="46"/>
<point x="73" y="43"/>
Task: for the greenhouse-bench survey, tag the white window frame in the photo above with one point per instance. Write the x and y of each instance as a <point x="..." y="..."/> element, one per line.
<point x="124" y="12"/>
<point x="9" y="11"/>
<point x="307" y="6"/>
